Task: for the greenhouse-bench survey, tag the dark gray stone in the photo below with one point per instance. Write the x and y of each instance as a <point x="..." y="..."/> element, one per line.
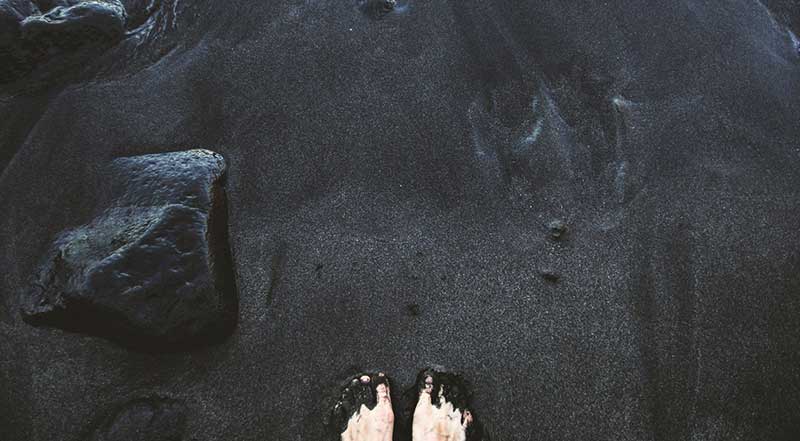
<point x="549" y="275"/>
<point x="77" y="23"/>
<point x="557" y="229"/>
<point x="138" y="11"/>
<point x="152" y="269"/>
<point x="33" y="34"/>
<point x="145" y="419"/>
<point x="12" y="13"/>
<point x="376" y="9"/>
<point x="15" y="57"/>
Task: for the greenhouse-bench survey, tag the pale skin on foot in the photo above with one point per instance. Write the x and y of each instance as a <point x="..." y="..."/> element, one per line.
<point x="438" y="423"/>
<point x="375" y="424"/>
<point x="442" y="422"/>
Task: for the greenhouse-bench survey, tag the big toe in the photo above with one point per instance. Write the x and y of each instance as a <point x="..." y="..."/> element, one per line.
<point x="360" y="393"/>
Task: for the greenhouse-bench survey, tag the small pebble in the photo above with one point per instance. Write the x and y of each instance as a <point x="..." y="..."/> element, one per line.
<point x="550" y="276"/>
<point x="557" y="229"/>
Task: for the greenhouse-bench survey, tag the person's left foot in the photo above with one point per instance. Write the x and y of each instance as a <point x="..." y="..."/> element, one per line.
<point x="364" y="409"/>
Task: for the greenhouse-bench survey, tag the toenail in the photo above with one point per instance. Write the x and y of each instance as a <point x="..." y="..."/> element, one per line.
<point x="365" y="379"/>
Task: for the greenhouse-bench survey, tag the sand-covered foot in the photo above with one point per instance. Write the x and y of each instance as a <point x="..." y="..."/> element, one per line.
<point x="441" y="411"/>
<point x="364" y="412"/>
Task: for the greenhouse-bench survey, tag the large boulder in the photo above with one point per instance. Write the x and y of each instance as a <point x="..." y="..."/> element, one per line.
<point x="152" y="270"/>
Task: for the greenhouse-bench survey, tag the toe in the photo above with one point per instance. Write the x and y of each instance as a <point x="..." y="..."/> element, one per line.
<point x="382" y="392"/>
<point x="428" y="386"/>
<point x="467" y="419"/>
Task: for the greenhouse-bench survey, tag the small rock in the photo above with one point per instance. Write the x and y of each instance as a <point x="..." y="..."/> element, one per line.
<point x="376" y="9"/>
<point x="557" y="229"/>
<point x="550" y="275"/>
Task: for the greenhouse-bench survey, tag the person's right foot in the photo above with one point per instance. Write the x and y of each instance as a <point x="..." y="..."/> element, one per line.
<point x="364" y="409"/>
<point x="441" y="412"/>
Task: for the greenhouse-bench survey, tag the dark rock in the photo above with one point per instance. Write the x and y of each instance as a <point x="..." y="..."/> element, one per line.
<point x="46" y="5"/>
<point x="557" y="229"/>
<point x="30" y="35"/>
<point x="76" y="24"/>
<point x="413" y="309"/>
<point x="550" y="275"/>
<point x="376" y="9"/>
<point x="147" y="419"/>
<point x="139" y="11"/>
<point x="152" y="270"/>
<point x="12" y="13"/>
<point x="15" y="58"/>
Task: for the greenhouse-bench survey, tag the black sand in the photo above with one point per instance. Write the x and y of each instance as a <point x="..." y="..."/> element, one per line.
<point x="392" y="178"/>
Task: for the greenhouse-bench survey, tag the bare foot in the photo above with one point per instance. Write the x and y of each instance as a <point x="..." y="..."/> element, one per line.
<point x="364" y="410"/>
<point x="441" y="412"/>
